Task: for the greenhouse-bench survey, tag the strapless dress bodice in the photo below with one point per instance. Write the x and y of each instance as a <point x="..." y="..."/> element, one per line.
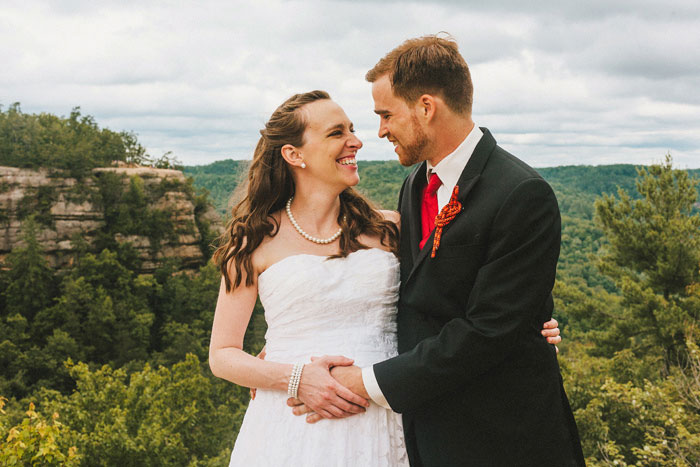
<point x="340" y="306"/>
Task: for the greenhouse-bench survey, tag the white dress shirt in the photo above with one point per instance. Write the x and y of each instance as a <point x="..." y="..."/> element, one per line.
<point x="449" y="169"/>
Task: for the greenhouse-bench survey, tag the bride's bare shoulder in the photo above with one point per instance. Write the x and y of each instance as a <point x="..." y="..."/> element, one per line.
<point x="392" y="216"/>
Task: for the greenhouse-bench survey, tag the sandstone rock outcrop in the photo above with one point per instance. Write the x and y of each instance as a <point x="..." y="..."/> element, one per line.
<point x="68" y="209"/>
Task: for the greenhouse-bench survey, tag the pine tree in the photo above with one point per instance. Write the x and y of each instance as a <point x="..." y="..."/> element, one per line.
<point x="30" y="281"/>
<point x="653" y="257"/>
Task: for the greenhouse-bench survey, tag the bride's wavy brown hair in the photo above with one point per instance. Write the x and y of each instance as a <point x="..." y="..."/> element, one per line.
<point x="270" y="185"/>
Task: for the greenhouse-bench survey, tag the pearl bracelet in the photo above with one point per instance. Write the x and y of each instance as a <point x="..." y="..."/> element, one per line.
<point x="295" y="379"/>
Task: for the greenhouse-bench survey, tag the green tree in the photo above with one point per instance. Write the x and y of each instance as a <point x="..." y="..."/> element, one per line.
<point x="652" y="423"/>
<point x="74" y="143"/>
<point x="183" y="306"/>
<point x="653" y="257"/>
<point x="103" y="307"/>
<point x="35" y="441"/>
<point x="153" y="417"/>
<point x="30" y="281"/>
<point x="14" y="340"/>
<point x="631" y="367"/>
<point x="28" y="291"/>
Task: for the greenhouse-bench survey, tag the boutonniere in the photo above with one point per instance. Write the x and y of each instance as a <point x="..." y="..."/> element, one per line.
<point x="444" y="217"/>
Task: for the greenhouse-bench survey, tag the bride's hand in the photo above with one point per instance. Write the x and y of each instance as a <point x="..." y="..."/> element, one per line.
<point x="550" y="330"/>
<point x="322" y="394"/>
<point x="299" y="408"/>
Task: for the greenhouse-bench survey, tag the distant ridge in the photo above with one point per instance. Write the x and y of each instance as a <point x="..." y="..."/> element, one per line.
<point x="381" y="180"/>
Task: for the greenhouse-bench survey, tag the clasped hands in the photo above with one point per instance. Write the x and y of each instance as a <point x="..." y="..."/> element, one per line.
<point x="330" y="387"/>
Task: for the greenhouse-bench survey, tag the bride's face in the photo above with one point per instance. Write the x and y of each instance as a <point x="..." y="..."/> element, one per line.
<point x="330" y="145"/>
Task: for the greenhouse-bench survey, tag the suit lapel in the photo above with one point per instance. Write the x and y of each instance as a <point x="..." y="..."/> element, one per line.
<point x="470" y="175"/>
<point x="416" y="184"/>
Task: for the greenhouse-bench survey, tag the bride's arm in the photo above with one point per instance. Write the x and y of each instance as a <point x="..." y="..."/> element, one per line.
<point x="228" y="361"/>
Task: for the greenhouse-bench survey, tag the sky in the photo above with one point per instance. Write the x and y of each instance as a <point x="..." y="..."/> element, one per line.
<point x="557" y="82"/>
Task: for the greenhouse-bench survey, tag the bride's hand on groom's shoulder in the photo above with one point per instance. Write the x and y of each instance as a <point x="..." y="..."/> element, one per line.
<point x="322" y="394"/>
<point x="550" y="330"/>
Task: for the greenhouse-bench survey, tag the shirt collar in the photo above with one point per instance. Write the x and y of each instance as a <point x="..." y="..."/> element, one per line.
<point x="450" y="168"/>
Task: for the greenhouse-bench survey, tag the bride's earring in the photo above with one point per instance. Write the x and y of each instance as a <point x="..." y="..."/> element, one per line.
<point x="303" y="165"/>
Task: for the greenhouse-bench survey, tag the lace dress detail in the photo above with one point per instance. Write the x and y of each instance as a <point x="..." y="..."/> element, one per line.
<point x="318" y="306"/>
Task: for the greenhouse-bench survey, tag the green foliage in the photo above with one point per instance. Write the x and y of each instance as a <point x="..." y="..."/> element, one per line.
<point x="36" y="441"/>
<point x="130" y="212"/>
<point x="220" y="179"/>
<point x="576" y="186"/>
<point x="73" y="143"/>
<point x="103" y="307"/>
<point x="183" y="306"/>
<point x="381" y="182"/>
<point x="29" y="287"/>
<point x="104" y="313"/>
<point x="632" y="367"/>
<point x="202" y="208"/>
<point x="653" y="257"/>
<point x="647" y="423"/>
<point x="166" y="161"/>
<point x="595" y="180"/>
<point x="581" y="241"/>
<point x="37" y="204"/>
<point x="153" y="417"/>
<point x="30" y="281"/>
<point x="654" y="239"/>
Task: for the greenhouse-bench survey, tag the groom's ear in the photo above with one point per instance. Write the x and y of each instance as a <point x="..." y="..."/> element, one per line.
<point x="426" y="106"/>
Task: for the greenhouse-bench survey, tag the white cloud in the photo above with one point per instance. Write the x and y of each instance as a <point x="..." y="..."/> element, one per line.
<point x="556" y="82"/>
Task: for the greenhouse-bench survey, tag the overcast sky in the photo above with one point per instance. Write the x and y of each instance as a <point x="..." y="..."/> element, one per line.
<point x="557" y="82"/>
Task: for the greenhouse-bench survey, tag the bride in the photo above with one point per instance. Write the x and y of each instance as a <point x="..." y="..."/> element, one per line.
<point x="324" y="264"/>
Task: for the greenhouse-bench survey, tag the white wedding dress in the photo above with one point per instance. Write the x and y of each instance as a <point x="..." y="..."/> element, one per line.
<point x="316" y="306"/>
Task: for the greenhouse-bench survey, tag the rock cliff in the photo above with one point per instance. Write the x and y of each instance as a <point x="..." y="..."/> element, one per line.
<point x="66" y="209"/>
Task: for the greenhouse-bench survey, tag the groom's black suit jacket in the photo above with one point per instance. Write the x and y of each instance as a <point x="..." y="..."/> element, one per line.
<point x="477" y="383"/>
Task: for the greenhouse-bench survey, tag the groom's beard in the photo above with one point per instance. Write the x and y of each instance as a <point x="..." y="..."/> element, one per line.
<point x="415" y="151"/>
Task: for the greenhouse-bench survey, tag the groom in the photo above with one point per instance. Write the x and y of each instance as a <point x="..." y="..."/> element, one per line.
<point x="475" y="381"/>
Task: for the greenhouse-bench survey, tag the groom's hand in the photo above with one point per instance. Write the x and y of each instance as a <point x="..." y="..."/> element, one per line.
<point x="325" y="396"/>
<point x="351" y="378"/>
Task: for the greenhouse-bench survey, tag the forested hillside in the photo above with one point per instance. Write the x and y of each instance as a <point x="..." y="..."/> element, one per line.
<point x="102" y="364"/>
<point x="576" y="187"/>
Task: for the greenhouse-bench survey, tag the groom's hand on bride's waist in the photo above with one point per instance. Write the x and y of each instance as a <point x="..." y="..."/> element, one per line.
<point x="322" y="394"/>
<point x="351" y="378"/>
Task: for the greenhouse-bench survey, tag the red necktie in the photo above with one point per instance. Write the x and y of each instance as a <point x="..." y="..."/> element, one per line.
<point x="429" y="207"/>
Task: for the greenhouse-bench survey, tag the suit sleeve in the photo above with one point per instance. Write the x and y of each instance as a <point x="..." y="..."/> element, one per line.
<point x="509" y="293"/>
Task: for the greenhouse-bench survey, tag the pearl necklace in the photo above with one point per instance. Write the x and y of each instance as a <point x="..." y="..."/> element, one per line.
<point x="304" y="234"/>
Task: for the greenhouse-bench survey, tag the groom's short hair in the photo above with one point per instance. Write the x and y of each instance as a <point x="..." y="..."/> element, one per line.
<point x="427" y="65"/>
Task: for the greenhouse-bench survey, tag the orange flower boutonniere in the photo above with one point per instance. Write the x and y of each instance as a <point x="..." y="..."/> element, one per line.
<point x="445" y="216"/>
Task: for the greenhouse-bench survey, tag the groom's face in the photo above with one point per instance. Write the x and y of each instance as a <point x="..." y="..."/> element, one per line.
<point x="398" y="123"/>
